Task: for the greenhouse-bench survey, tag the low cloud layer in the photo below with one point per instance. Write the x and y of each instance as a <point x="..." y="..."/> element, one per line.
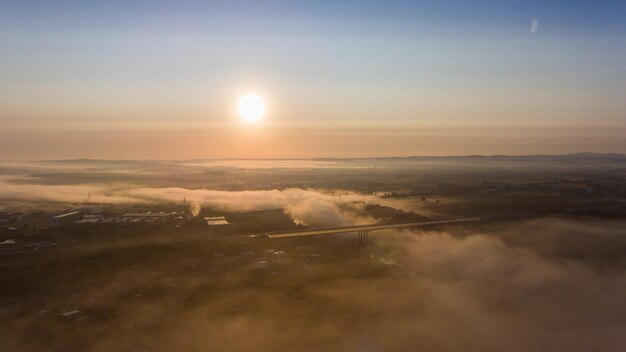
<point x="541" y="285"/>
<point x="516" y="290"/>
<point x="304" y="206"/>
<point x="308" y="207"/>
<point x="447" y="291"/>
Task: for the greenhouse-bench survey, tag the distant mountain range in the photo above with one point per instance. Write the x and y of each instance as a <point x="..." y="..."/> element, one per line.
<point x="574" y="157"/>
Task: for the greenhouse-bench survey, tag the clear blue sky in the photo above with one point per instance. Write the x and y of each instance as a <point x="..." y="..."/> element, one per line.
<point x="414" y="78"/>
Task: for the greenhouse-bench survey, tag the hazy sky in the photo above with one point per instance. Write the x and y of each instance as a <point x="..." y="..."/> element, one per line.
<point x="161" y="79"/>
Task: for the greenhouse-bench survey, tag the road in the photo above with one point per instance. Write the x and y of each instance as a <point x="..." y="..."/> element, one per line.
<point x="363" y="228"/>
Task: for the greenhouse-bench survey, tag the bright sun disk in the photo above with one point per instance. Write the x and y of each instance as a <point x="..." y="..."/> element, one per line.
<point x="251" y="107"/>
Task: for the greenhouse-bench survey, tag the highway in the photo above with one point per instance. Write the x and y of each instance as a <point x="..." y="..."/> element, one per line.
<point x="363" y="228"/>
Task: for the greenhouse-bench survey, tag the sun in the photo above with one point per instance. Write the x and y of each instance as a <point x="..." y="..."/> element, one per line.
<point x="251" y="107"/>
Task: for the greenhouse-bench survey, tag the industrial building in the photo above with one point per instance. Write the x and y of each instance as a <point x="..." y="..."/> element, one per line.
<point x="216" y="220"/>
<point x="66" y="218"/>
<point x="150" y="217"/>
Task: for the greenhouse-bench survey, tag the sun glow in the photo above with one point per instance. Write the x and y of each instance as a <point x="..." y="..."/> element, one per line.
<point x="251" y="107"/>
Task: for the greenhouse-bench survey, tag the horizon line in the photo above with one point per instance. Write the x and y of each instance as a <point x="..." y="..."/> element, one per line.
<point x="591" y="154"/>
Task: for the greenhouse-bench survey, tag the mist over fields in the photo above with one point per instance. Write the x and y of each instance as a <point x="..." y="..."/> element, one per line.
<point x="306" y="206"/>
<point x="545" y="271"/>
<point x="334" y="190"/>
<point x="530" y="285"/>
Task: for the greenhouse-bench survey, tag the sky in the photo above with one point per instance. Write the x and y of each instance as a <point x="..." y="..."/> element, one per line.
<point x="161" y="79"/>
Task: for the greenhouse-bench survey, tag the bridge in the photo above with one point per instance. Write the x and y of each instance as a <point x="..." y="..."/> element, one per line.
<point x="362" y="230"/>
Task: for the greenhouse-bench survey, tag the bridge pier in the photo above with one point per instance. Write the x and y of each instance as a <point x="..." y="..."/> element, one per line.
<point x="362" y="238"/>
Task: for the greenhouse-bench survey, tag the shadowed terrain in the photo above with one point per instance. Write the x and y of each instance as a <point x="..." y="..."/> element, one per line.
<point x="552" y="272"/>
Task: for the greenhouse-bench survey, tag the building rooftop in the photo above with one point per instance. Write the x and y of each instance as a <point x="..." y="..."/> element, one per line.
<point x="216" y="220"/>
<point x="71" y="213"/>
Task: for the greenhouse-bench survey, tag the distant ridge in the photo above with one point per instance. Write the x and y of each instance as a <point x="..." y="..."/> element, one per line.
<point x="103" y="161"/>
<point x="585" y="156"/>
<point x="582" y="156"/>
